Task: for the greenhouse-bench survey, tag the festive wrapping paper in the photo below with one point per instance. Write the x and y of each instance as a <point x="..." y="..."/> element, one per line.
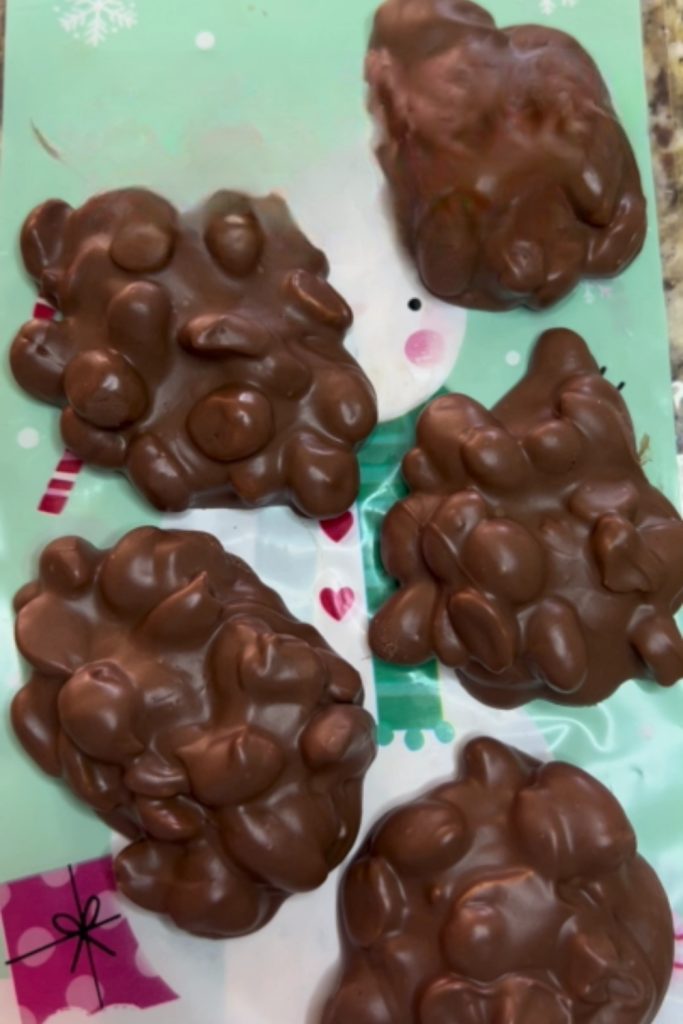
<point x="190" y="97"/>
<point x="70" y="945"/>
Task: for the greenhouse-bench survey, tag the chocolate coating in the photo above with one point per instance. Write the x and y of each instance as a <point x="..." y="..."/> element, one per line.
<point x="175" y="694"/>
<point x="510" y="173"/>
<point x="201" y="354"/>
<point x="533" y="555"/>
<point x="511" y="895"/>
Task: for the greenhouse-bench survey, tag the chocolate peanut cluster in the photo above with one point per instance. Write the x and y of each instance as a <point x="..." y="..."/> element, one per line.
<point x="513" y="893"/>
<point x="175" y="694"/>
<point x="511" y="175"/>
<point x="533" y="555"/>
<point x="201" y="354"/>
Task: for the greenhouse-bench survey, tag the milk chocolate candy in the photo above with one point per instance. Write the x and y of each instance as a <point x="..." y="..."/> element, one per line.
<point x="510" y="173"/>
<point x="533" y="555"/>
<point x="175" y="694"/>
<point x="201" y="354"/>
<point x="512" y="894"/>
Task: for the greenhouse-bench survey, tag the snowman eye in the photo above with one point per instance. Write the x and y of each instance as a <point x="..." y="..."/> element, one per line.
<point x="415" y="305"/>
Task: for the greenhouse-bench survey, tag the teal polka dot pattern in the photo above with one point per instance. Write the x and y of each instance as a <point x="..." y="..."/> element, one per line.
<point x="444" y="732"/>
<point x="414" y="739"/>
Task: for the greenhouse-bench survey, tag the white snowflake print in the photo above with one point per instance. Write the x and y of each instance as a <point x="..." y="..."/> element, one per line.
<point x="92" y="21"/>
<point x="591" y="293"/>
<point x="550" y="6"/>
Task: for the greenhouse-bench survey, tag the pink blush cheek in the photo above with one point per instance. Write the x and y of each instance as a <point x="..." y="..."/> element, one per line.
<point x="425" y="348"/>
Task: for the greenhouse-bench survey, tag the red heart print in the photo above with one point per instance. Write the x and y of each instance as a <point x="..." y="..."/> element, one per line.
<point x="337" y="603"/>
<point x="337" y="529"/>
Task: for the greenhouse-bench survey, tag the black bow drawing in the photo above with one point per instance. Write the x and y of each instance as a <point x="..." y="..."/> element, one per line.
<point x="79" y="926"/>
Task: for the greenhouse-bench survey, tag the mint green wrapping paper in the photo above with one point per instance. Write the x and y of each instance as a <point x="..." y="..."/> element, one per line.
<point x="186" y="98"/>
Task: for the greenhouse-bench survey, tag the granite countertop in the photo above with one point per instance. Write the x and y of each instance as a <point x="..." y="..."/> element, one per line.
<point x="663" y="33"/>
<point x="663" y="28"/>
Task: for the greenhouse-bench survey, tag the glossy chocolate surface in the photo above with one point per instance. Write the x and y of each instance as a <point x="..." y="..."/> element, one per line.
<point x="533" y="555"/>
<point x="175" y="694"/>
<point x="510" y="173"/>
<point x="510" y="895"/>
<point x="201" y="354"/>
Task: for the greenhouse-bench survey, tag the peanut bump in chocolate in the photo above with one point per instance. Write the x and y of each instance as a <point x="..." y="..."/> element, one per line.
<point x="174" y="693"/>
<point x="510" y="173"/>
<point x="201" y="354"/>
<point x="512" y="894"/>
<point x="532" y="554"/>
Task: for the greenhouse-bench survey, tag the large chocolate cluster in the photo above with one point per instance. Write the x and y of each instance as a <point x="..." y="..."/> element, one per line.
<point x="533" y="555"/>
<point x="175" y="694"/>
<point x="200" y="354"/>
<point x="511" y="175"/>
<point x="511" y="895"/>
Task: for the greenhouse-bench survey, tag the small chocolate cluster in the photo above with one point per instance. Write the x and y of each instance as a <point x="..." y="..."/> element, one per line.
<point x="533" y="555"/>
<point x="511" y="895"/>
<point x="175" y="694"/>
<point x="200" y="354"/>
<point x="511" y="175"/>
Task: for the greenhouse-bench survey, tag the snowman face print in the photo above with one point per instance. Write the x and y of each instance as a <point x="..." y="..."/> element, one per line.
<point x="406" y="340"/>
